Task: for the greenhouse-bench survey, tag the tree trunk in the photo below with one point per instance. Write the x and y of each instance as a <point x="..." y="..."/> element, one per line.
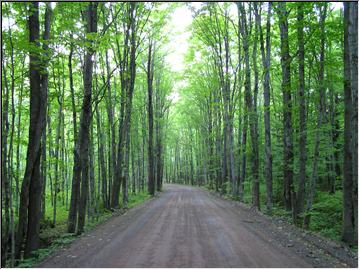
<point x="57" y="148"/>
<point x="102" y="160"/>
<point x="5" y="183"/>
<point x="30" y="200"/>
<point x="86" y="118"/>
<point x="75" y="187"/>
<point x="266" y="65"/>
<point x="287" y="107"/>
<point x="321" y="109"/>
<point x="127" y="86"/>
<point x="353" y="44"/>
<point x="348" y="224"/>
<point x="112" y="125"/>
<point x="248" y="115"/>
<point x="300" y="198"/>
<point x="254" y="128"/>
<point x="17" y="179"/>
<point x="150" y="76"/>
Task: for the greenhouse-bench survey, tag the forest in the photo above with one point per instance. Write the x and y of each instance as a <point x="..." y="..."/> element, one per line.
<point x="95" y="118"/>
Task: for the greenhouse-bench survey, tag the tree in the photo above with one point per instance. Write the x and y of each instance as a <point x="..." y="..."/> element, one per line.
<point x="348" y="225"/>
<point x="287" y="106"/>
<point x="86" y="115"/>
<point x="321" y="109"/>
<point x="150" y="76"/>
<point x="265" y="55"/>
<point x="30" y="200"/>
<point x="300" y="196"/>
<point x="128" y="75"/>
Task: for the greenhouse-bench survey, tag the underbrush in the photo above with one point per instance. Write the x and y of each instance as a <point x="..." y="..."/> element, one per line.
<point x="326" y="214"/>
<point x="55" y="237"/>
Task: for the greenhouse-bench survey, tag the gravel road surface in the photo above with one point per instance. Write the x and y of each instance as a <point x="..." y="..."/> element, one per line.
<point x="188" y="227"/>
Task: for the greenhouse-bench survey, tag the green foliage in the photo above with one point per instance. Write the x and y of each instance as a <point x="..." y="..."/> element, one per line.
<point x="55" y="238"/>
<point x="43" y="253"/>
<point x="326" y="215"/>
<point x="138" y="198"/>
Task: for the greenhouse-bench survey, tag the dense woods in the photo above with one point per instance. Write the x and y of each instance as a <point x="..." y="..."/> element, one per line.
<point x="94" y="116"/>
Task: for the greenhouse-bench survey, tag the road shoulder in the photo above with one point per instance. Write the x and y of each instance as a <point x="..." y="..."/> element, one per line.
<point x="315" y="249"/>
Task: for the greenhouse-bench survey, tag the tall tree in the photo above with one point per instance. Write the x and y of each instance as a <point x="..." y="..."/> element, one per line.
<point x="127" y="78"/>
<point x="321" y="109"/>
<point x="86" y="115"/>
<point x="348" y="224"/>
<point x="251" y="102"/>
<point x="265" y="55"/>
<point x="353" y="44"/>
<point x="288" y="161"/>
<point x="75" y="187"/>
<point x="300" y="195"/>
<point x="254" y="124"/>
<point x="150" y="77"/>
<point x="30" y="199"/>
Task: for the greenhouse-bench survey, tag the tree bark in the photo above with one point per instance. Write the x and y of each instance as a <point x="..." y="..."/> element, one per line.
<point x="75" y="187"/>
<point x="5" y="181"/>
<point x="30" y="200"/>
<point x="128" y="75"/>
<point x="348" y="226"/>
<point x="322" y="89"/>
<point x="265" y="54"/>
<point x="102" y="160"/>
<point x="85" y="119"/>
<point x="287" y="107"/>
<point x="254" y="126"/>
<point x="300" y="196"/>
<point x="150" y="76"/>
<point x="249" y="120"/>
<point x="353" y="44"/>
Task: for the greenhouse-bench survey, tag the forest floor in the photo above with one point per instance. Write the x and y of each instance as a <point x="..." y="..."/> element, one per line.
<point x="189" y="227"/>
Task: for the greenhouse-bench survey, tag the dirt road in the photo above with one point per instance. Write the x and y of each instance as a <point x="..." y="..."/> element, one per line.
<point x="188" y="227"/>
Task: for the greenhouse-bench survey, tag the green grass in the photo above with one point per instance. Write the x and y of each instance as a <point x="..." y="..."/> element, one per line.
<point x="54" y="237"/>
<point x="137" y="199"/>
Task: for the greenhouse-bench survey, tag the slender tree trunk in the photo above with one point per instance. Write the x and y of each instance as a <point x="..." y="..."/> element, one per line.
<point x="348" y="224"/>
<point x="30" y="200"/>
<point x="5" y="183"/>
<point x="265" y="53"/>
<point x="254" y="128"/>
<point x="322" y="89"/>
<point x="85" y="119"/>
<point x="102" y="160"/>
<point x="75" y="187"/>
<point x="287" y="107"/>
<point x="43" y="176"/>
<point x="300" y="198"/>
<point x="125" y="187"/>
<point x="127" y="85"/>
<point x="353" y="44"/>
<point x="17" y="179"/>
<point x="249" y="119"/>
<point x="10" y="156"/>
<point x="57" y="148"/>
<point x="92" y="193"/>
<point x="150" y="76"/>
<point x="143" y="122"/>
<point x="111" y="123"/>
